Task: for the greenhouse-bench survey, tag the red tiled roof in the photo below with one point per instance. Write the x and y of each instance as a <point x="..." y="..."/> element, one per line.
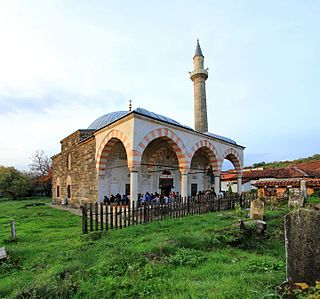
<point x="286" y="183"/>
<point x="299" y="170"/>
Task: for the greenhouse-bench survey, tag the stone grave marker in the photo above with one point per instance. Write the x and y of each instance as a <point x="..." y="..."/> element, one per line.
<point x="302" y="242"/>
<point x="257" y="209"/>
<point x="3" y="254"/>
<point x="295" y="201"/>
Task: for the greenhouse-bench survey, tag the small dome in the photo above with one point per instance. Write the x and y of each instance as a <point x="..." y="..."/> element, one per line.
<point x="106" y="119"/>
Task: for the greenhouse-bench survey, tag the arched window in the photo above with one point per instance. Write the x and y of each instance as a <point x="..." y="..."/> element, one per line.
<point x="58" y="187"/>
<point x="69" y="187"/>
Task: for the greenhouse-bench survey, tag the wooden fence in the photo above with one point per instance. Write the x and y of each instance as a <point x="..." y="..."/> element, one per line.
<point x="102" y="216"/>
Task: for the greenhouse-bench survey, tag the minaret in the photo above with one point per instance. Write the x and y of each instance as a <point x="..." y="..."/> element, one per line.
<point x="199" y="76"/>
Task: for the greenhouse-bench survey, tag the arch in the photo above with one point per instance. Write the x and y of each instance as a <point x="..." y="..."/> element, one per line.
<point x="58" y="187"/>
<point x="160" y="151"/>
<point x="209" y="149"/>
<point x="174" y="141"/>
<point x="232" y="155"/>
<point x="69" y="184"/>
<point x="105" y="148"/>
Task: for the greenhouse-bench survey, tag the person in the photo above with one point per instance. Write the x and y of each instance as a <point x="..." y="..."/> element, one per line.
<point x="106" y="200"/>
<point x="112" y="198"/>
<point x="125" y="200"/>
<point x="118" y="198"/>
<point x="148" y="197"/>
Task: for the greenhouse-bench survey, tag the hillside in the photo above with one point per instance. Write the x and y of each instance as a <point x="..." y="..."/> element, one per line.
<point x="287" y="163"/>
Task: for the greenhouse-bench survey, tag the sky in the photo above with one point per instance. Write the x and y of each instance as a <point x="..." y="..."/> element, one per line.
<point x="65" y="63"/>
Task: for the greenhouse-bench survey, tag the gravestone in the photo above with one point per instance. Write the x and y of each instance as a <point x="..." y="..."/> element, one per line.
<point x="3" y="254"/>
<point x="302" y="241"/>
<point x="303" y="189"/>
<point x="295" y="201"/>
<point x="257" y="209"/>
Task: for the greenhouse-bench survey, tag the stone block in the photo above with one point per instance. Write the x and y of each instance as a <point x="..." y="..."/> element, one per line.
<point x="295" y="201"/>
<point x="257" y="209"/>
<point x="3" y="254"/>
<point x="302" y="242"/>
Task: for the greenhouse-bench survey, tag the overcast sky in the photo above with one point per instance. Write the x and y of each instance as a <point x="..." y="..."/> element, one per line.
<point x="65" y="63"/>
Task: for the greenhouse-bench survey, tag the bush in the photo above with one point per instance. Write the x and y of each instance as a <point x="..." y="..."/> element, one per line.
<point x="13" y="183"/>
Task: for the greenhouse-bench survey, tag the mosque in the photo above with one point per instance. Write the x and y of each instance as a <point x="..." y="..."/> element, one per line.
<point x="138" y="151"/>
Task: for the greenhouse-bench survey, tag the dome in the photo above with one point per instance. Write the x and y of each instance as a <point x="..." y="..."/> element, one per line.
<point x="109" y="118"/>
<point x="220" y="137"/>
<point x="106" y="119"/>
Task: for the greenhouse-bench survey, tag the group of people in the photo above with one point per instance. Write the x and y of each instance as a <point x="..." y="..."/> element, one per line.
<point x="117" y="199"/>
<point x="156" y="198"/>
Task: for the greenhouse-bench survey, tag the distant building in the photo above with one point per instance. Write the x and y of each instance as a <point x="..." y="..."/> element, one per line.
<point x="276" y="181"/>
<point x="132" y="152"/>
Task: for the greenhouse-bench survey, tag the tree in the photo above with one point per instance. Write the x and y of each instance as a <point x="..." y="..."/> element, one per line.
<point x="41" y="171"/>
<point x="14" y="183"/>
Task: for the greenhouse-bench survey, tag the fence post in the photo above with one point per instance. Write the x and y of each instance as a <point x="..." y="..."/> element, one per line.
<point x="120" y="214"/>
<point x="133" y="211"/>
<point x="96" y="215"/>
<point x="101" y="216"/>
<point x="111" y="215"/>
<point x="125" y="215"/>
<point x="13" y="230"/>
<point x="116" y="215"/>
<point x="91" y="217"/>
<point x="84" y="219"/>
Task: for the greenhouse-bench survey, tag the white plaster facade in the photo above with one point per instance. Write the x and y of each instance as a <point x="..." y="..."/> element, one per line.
<point x="131" y="138"/>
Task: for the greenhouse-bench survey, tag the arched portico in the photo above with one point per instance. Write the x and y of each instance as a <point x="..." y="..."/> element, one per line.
<point x="233" y="156"/>
<point x="105" y="147"/>
<point x="114" y="175"/>
<point x="161" y="150"/>
<point x="204" y="163"/>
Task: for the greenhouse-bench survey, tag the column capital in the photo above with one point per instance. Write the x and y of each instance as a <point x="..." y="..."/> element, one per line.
<point x="216" y="173"/>
<point x="239" y="175"/>
<point x="133" y="168"/>
<point x="184" y="171"/>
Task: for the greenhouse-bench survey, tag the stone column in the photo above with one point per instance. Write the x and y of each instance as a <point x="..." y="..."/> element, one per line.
<point x="302" y="240"/>
<point x="239" y="183"/>
<point x="184" y="183"/>
<point x="216" y="182"/>
<point x="303" y="189"/>
<point x="133" y="185"/>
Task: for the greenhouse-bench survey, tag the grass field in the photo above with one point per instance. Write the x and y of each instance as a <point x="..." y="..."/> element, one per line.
<point x="200" y="256"/>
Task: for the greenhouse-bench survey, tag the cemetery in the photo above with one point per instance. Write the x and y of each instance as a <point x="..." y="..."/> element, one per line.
<point x="259" y="252"/>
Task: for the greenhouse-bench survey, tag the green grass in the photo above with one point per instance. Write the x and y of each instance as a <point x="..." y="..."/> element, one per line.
<point x="200" y="256"/>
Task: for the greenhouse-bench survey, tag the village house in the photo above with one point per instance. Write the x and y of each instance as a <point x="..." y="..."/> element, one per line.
<point x="276" y="181"/>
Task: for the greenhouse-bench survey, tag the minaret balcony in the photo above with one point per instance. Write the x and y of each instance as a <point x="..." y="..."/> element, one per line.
<point x="199" y="73"/>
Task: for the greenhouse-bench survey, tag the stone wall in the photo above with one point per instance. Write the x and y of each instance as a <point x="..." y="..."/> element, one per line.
<point x="82" y="174"/>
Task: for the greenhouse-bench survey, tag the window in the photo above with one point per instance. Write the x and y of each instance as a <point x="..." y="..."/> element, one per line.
<point x="194" y="189"/>
<point x="69" y="191"/>
<point x="127" y="189"/>
<point x="58" y="191"/>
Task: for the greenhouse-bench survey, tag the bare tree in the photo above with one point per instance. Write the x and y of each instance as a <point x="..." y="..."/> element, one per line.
<point x="41" y="170"/>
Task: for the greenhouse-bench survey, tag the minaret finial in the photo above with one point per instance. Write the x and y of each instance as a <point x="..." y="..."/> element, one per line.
<point x="198" y="51"/>
<point x="130" y="105"/>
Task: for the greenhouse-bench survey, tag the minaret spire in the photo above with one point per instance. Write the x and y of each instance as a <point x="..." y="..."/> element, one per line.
<point x="199" y="76"/>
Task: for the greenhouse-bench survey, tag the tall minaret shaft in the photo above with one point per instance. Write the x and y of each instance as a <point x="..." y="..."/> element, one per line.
<point x="199" y="76"/>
